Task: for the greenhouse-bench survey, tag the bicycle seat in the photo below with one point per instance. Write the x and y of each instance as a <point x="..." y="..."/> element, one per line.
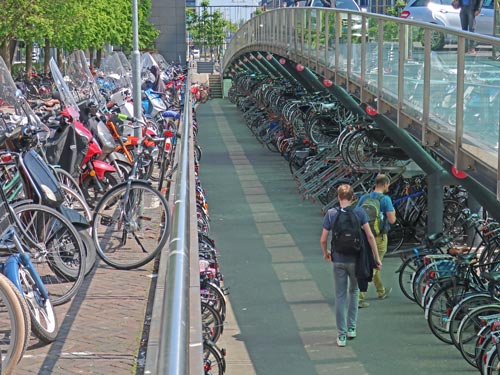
<point x="325" y="106"/>
<point x="493" y="277"/>
<point x="434" y="236"/>
<point x="467" y="258"/>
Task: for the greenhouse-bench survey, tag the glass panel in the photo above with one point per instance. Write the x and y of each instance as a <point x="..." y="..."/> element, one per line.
<point x="371" y="57"/>
<point x="341" y="28"/>
<point x="355" y="25"/>
<point x="481" y="105"/>
<point x="413" y="100"/>
<point x="390" y="61"/>
<point x="321" y="36"/>
<point x="330" y="63"/>
<point x="300" y="28"/>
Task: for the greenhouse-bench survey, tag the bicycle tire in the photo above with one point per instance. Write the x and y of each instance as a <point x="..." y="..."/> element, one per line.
<point x="211" y="355"/>
<point x="461" y="309"/>
<point x="211" y="321"/>
<point x="472" y="323"/>
<point x="44" y="323"/>
<point x="91" y="191"/>
<point x="75" y="201"/>
<point x="213" y="294"/>
<point x="406" y="274"/>
<point x="439" y="306"/>
<point x="111" y="232"/>
<point x="62" y="263"/>
<point x="66" y="179"/>
<point x="493" y="363"/>
<point x="14" y="325"/>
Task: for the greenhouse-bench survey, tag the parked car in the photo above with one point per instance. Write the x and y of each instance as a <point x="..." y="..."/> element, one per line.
<point x="440" y="12"/>
<point x="196" y="53"/>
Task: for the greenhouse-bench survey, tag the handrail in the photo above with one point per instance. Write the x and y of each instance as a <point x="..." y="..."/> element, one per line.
<point x="170" y="341"/>
<point x="174" y="344"/>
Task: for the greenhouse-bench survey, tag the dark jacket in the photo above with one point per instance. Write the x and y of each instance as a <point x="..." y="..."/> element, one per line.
<point x="365" y="265"/>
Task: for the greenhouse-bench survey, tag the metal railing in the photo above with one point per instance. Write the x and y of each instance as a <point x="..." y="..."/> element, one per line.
<point x="175" y="345"/>
<point x="417" y="73"/>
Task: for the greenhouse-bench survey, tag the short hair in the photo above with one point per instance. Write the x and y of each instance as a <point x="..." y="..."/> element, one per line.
<point x="345" y="192"/>
<point x="382" y="179"/>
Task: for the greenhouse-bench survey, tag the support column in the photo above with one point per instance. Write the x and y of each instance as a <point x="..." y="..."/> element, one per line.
<point x="435" y="202"/>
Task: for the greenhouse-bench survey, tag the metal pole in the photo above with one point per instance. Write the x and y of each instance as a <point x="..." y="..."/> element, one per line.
<point x="136" y="67"/>
<point x="174" y="337"/>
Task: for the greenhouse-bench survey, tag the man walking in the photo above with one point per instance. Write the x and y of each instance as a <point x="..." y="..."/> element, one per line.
<point x="344" y="263"/>
<point x="469" y="10"/>
<point x="388" y="216"/>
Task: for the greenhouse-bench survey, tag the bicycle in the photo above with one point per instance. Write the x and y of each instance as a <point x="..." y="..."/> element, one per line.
<point x="15" y="325"/>
<point x="131" y="210"/>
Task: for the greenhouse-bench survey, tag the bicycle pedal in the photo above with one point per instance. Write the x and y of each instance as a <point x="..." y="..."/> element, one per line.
<point x="106" y="221"/>
<point x="225" y="291"/>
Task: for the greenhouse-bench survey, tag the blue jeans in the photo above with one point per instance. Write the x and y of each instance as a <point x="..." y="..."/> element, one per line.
<point x="346" y="311"/>
<point x="468" y="22"/>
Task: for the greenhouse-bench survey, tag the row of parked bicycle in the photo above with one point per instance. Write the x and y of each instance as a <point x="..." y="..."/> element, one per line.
<point x="213" y="292"/>
<point x="327" y="145"/>
<point x="73" y="174"/>
<point x="458" y="288"/>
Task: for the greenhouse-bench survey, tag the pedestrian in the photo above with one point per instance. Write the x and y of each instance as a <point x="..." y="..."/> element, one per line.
<point x="387" y="217"/>
<point x="344" y="262"/>
<point x="469" y="10"/>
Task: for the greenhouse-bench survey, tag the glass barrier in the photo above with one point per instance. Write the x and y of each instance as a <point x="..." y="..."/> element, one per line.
<point x="420" y="70"/>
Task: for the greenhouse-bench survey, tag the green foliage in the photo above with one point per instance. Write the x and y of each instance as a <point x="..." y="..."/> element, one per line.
<point x="76" y="24"/>
<point x="208" y="28"/>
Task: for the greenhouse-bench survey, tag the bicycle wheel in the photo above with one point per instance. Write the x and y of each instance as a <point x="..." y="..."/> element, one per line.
<point x="212" y="294"/>
<point x="493" y="364"/>
<point x="439" y="309"/>
<point x="213" y="359"/>
<point x="468" y="329"/>
<point x="396" y="236"/>
<point x="461" y="309"/>
<point x="131" y="225"/>
<point x="211" y="321"/>
<point x="44" y="323"/>
<point x="75" y="201"/>
<point x="66" y="179"/>
<point x="14" y="325"/>
<point x="61" y="263"/>
<point x="406" y="274"/>
<point x="91" y="190"/>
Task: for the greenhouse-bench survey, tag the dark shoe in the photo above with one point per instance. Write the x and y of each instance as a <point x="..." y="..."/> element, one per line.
<point x="385" y="294"/>
<point x="363" y="304"/>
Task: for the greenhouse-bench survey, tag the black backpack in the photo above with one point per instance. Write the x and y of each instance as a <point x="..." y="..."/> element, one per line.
<point x="346" y="232"/>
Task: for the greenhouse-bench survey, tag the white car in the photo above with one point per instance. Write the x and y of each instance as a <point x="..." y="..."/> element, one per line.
<point x="440" y="12"/>
<point x="196" y="53"/>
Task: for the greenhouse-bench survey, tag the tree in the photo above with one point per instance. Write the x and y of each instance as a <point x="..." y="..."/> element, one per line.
<point x="209" y="28"/>
<point x="72" y="24"/>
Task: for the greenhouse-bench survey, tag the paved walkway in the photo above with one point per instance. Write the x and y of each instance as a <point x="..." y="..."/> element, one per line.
<point x="281" y="288"/>
<point x="101" y="329"/>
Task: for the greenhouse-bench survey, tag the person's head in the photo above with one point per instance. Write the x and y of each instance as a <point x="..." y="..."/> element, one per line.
<point x="345" y="192"/>
<point x="382" y="183"/>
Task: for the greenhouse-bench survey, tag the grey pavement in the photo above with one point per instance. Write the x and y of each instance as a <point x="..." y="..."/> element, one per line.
<point x="282" y="318"/>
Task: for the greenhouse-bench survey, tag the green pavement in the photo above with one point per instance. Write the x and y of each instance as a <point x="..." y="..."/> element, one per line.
<point x="281" y="289"/>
